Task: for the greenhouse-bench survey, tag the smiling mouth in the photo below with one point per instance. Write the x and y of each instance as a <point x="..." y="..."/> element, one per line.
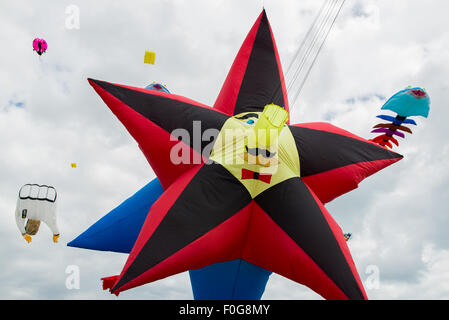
<point x="260" y="152"/>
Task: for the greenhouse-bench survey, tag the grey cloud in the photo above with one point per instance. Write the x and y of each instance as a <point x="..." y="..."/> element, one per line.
<point x="395" y="216"/>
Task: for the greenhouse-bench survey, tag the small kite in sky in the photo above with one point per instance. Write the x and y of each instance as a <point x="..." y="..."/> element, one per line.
<point x="150" y="57"/>
<point x="36" y="203"/>
<point x="405" y="103"/>
<point x="40" y="46"/>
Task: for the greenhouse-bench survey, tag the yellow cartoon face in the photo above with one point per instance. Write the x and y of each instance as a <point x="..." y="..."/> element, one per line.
<point x="258" y="149"/>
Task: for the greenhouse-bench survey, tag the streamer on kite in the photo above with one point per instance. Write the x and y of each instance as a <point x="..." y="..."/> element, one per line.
<point x="36" y="203"/>
<point x="40" y="46"/>
<point x="405" y="103"/>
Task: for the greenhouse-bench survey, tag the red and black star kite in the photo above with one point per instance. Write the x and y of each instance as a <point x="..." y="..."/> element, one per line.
<point x="210" y="212"/>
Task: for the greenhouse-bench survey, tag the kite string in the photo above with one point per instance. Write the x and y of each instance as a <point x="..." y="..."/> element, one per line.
<point x="311" y="47"/>
<point x="316" y="56"/>
<point x="315" y="37"/>
<point x="305" y="38"/>
<point x="316" y="30"/>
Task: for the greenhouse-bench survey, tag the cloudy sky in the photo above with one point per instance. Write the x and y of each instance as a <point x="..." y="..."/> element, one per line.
<point x="50" y="117"/>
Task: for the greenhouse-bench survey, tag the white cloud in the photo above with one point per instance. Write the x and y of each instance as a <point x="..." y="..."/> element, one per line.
<point x="375" y="48"/>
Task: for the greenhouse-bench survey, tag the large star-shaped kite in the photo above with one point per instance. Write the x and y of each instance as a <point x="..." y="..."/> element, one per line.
<point x="262" y="205"/>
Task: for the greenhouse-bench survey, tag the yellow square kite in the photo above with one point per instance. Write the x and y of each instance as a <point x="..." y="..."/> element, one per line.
<point x="150" y="57"/>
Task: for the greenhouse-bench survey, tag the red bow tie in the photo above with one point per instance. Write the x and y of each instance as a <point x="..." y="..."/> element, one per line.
<point x="248" y="174"/>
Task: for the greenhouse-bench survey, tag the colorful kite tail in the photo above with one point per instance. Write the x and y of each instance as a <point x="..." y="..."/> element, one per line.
<point x="388" y="131"/>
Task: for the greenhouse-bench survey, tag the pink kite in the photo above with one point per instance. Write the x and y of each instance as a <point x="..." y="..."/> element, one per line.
<point x="39" y="45"/>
